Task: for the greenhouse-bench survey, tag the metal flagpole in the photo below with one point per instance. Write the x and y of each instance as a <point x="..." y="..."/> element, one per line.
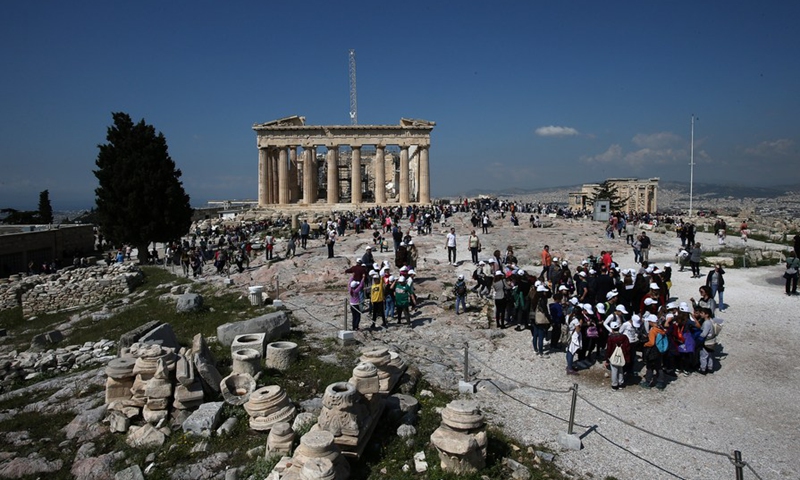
<point x="691" y="169"/>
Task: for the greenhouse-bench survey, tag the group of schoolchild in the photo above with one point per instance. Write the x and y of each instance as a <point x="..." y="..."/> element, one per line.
<point x="622" y="318"/>
<point x="373" y="288"/>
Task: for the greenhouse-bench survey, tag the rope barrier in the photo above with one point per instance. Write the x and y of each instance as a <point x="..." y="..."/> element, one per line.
<point x="649" y="462"/>
<point x="531" y="406"/>
<point x="751" y="470"/>
<point x="549" y="390"/>
<point x="310" y="314"/>
<point x="662" y="437"/>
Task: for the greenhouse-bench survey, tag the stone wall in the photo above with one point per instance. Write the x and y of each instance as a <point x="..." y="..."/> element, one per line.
<point x="69" y="288"/>
<point x="27" y="244"/>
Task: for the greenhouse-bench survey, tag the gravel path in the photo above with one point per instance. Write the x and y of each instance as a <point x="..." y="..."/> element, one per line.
<point x="749" y="404"/>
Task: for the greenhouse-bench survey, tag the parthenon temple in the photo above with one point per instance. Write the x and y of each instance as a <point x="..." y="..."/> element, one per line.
<point x="360" y="164"/>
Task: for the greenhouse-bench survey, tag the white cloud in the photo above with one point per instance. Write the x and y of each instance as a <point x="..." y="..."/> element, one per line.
<point x="780" y="147"/>
<point x="554" y="131"/>
<point x="650" y="156"/>
<point x="656" y="140"/>
<point x="642" y="157"/>
<point x="613" y="154"/>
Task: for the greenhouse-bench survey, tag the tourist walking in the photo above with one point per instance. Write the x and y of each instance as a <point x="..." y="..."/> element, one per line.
<point x="330" y="242"/>
<point x="355" y="301"/>
<point x="460" y="291"/>
<point x="791" y="273"/>
<point x="450" y="245"/>
<point x="645" y="241"/>
<point x="541" y="319"/>
<point x="499" y="288"/>
<point x="716" y="282"/>
<point x="617" y="340"/>
<point x="547" y="260"/>
<point x="695" y="256"/>
<point x="474" y="246"/>
<point x="377" y="297"/>
<point x="402" y="299"/>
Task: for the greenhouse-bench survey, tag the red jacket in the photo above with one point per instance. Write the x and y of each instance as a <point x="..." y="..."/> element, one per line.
<point x="618" y="339"/>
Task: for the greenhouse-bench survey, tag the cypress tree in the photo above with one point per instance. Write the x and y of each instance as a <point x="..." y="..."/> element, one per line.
<point x="140" y="198"/>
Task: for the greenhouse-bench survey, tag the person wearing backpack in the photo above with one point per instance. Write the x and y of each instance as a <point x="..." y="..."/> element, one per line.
<point x="460" y="291"/>
<point x="709" y="336"/>
<point x="377" y="298"/>
<point x="653" y="353"/>
<point x="402" y="299"/>
<point x="618" y="355"/>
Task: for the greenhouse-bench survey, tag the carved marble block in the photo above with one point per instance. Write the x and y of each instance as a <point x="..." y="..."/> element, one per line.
<point x="280" y="439"/>
<point x="461" y="439"/>
<point x="350" y="416"/>
<point x="268" y="406"/>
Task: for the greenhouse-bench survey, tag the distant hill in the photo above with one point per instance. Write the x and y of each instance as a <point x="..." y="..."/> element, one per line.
<point x="708" y="190"/>
<point x="512" y="191"/>
<point x="735" y="191"/>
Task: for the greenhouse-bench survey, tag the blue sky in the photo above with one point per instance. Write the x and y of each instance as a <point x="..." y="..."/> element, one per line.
<point x="524" y="94"/>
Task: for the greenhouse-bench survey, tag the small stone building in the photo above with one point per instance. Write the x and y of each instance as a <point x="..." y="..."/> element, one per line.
<point x="637" y="195"/>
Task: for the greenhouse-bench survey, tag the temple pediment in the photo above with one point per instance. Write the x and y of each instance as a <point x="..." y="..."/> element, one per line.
<point x="293" y="121"/>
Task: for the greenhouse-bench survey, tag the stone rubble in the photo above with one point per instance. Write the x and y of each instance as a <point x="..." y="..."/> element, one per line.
<point x="69" y="288"/>
<point x="15" y="366"/>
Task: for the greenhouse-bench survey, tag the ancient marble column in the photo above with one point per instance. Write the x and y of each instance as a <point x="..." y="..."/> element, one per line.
<point x="283" y="176"/>
<point x="262" y="177"/>
<point x="380" y="175"/>
<point x="355" y="177"/>
<point x="294" y="186"/>
<point x="424" y="176"/>
<point x="404" y="169"/>
<point x="275" y="182"/>
<point x="309" y="175"/>
<point x="268" y="177"/>
<point x="333" y="174"/>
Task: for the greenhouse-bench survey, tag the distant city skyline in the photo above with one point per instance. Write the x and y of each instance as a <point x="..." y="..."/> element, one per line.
<point x="524" y="94"/>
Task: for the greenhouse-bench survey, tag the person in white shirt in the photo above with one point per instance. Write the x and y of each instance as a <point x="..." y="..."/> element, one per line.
<point x="450" y="244"/>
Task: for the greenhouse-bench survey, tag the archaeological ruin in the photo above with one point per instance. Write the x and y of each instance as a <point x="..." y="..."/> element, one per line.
<point x="361" y="164"/>
<point x="636" y="195"/>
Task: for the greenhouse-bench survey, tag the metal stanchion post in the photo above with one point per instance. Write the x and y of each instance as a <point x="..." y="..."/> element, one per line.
<point x="466" y="361"/>
<point x="277" y="288"/>
<point x="737" y="457"/>
<point x="572" y="408"/>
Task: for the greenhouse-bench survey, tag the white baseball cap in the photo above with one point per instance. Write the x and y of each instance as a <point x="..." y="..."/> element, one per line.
<point x="601" y="309"/>
<point x="588" y="308"/>
<point x="498" y="273"/>
<point x="654" y="286"/>
<point x="353" y="284"/>
<point x="650" y="301"/>
<point x="621" y="309"/>
<point x="614" y="325"/>
<point x="461" y="277"/>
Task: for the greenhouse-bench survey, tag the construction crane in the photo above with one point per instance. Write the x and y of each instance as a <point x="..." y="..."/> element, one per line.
<point x="353" y="98"/>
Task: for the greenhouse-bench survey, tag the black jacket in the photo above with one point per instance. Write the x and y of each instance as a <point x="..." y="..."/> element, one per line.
<point x="721" y="284"/>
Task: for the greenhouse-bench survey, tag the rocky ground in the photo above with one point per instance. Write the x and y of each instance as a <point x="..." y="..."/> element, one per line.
<point x="747" y="405"/>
